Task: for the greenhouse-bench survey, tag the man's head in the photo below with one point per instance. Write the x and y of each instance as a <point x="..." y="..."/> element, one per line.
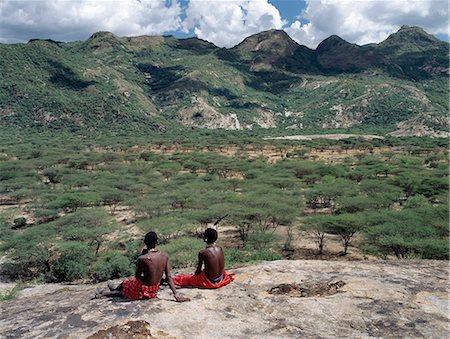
<point x="210" y="235"/>
<point x="150" y="240"/>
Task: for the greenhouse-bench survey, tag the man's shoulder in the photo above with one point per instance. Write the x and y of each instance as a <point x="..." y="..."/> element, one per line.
<point x="204" y="251"/>
<point x="159" y="253"/>
<point x="142" y="257"/>
<point x="208" y="250"/>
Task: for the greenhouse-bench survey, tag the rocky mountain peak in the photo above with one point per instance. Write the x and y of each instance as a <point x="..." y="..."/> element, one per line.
<point x="414" y="31"/>
<point x="272" y="40"/>
<point x="103" y="41"/>
<point x="411" y="38"/>
<point x="331" y="43"/>
<point x="102" y="35"/>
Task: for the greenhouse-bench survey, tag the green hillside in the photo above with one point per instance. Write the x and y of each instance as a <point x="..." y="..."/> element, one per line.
<point x="155" y="83"/>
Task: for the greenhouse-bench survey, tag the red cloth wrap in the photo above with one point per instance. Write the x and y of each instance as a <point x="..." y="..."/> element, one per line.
<point x="133" y="288"/>
<point x="201" y="281"/>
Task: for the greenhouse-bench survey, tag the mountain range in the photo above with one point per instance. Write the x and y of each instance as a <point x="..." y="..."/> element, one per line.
<point x="161" y="83"/>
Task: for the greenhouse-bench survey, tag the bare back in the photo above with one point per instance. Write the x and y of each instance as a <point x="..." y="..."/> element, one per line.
<point x="151" y="266"/>
<point x="213" y="259"/>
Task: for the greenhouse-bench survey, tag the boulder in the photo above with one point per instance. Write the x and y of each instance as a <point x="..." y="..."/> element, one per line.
<point x="279" y="299"/>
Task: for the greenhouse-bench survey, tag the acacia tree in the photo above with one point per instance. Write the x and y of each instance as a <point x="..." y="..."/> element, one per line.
<point x="168" y="169"/>
<point x="409" y="182"/>
<point x="150" y="205"/>
<point x="324" y="194"/>
<point x="344" y="225"/>
<point x="247" y="215"/>
<point x="372" y="194"/>
<point x="70" y="202"/>
<point x="410" y="232"/>
<point x="316" y="226"/>
<point x="112" y="198"/>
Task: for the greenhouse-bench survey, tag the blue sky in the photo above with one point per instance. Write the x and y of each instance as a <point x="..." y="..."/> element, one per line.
<point x="222" y="22"/>
<point x="289" y="9"/>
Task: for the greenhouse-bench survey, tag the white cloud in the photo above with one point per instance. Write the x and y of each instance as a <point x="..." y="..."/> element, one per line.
<point x="78" y="19"/>
<point x="226" y="23"/>
<point x="367" y="21"/>
<point x="223" y="22"/>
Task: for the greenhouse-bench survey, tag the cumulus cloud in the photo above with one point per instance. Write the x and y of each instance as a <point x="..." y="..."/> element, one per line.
<point x="226" y="23"/>
<point x="223" y="22"/>
<point x="78" y="19"/>
<point x="366" y="21"/>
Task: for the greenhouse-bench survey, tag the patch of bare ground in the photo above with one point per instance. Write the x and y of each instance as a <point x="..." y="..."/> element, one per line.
<point x="229" y="236"/>
<point x="303" y="246"/>
<point x="308" y="289"/>
<point x="326" y="136"/>
<point x="16" y="210"/>
<point x="125" y="216"/>
<point x="271" y="153"/>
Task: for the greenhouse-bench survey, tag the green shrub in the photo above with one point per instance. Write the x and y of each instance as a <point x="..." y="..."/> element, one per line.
<point x="73" y="262"/>
<point x="418" y="201"/>
<point x="19" y="223"/>
<point x="261" y="240"/>
<point x="9" y="295"/>
<point x="433" y="249"/>
<point x="133" y="249"/>
<point x="112" y="265"/>
<point x="265" y="255"/>
<point x="183" y="252"/>
<point x="52" y="175"/>
<point x="410" y="232"/>
<point x="28" y="262"/>
<point x="86" y="224"/>
<point x="234" y="256"/>
<point x="168" y="224"/>
<point x="5" y="229"/>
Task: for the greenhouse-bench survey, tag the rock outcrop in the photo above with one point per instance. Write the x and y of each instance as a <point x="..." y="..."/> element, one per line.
<point x="364" y="299"/>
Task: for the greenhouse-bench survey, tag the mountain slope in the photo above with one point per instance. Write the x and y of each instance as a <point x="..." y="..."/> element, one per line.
<point x="336" y="54"/>
<point x="157" y="83"/>
<point x="419" y="54"/>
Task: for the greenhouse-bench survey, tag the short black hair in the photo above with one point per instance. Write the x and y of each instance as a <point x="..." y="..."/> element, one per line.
<point x="151" y="239"/>
<point x="210" y="235"/>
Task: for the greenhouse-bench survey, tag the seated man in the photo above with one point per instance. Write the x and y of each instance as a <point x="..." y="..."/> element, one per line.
<point x="214" y="275"/>
<point x="145" y="284"/>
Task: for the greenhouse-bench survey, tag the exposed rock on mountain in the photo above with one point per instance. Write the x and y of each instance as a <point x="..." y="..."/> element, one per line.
<point x="282" y="299"/>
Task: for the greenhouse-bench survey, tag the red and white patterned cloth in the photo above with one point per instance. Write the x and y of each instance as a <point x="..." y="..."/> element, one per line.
<point x="201" y="281"/>
<point x="133" y="288"/>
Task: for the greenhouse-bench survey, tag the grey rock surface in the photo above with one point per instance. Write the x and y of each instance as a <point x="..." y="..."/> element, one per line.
<point x="380" y="299"/>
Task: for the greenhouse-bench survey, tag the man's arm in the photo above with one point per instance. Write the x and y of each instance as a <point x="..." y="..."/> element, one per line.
<point x="199" y="265"/>
<point x="171" y="284"/>
<point x="138" y="269"/>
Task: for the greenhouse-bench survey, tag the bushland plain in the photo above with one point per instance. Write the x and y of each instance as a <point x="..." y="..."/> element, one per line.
<point x="76" y="206"/>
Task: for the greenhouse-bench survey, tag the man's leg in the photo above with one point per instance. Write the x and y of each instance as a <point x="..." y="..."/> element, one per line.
<point x="104" y="292"/>
<point x="114" y="287"/>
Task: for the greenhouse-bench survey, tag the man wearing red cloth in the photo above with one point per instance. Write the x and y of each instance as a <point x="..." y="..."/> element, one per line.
<point x="151" y="265"/>
<point x="214" y="275"/>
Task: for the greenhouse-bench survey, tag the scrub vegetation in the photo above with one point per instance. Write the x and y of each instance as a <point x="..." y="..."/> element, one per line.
<point x="76" y="206"/>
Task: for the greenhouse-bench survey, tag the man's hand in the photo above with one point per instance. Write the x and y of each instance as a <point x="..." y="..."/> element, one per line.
<point x="181" y="299"/>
